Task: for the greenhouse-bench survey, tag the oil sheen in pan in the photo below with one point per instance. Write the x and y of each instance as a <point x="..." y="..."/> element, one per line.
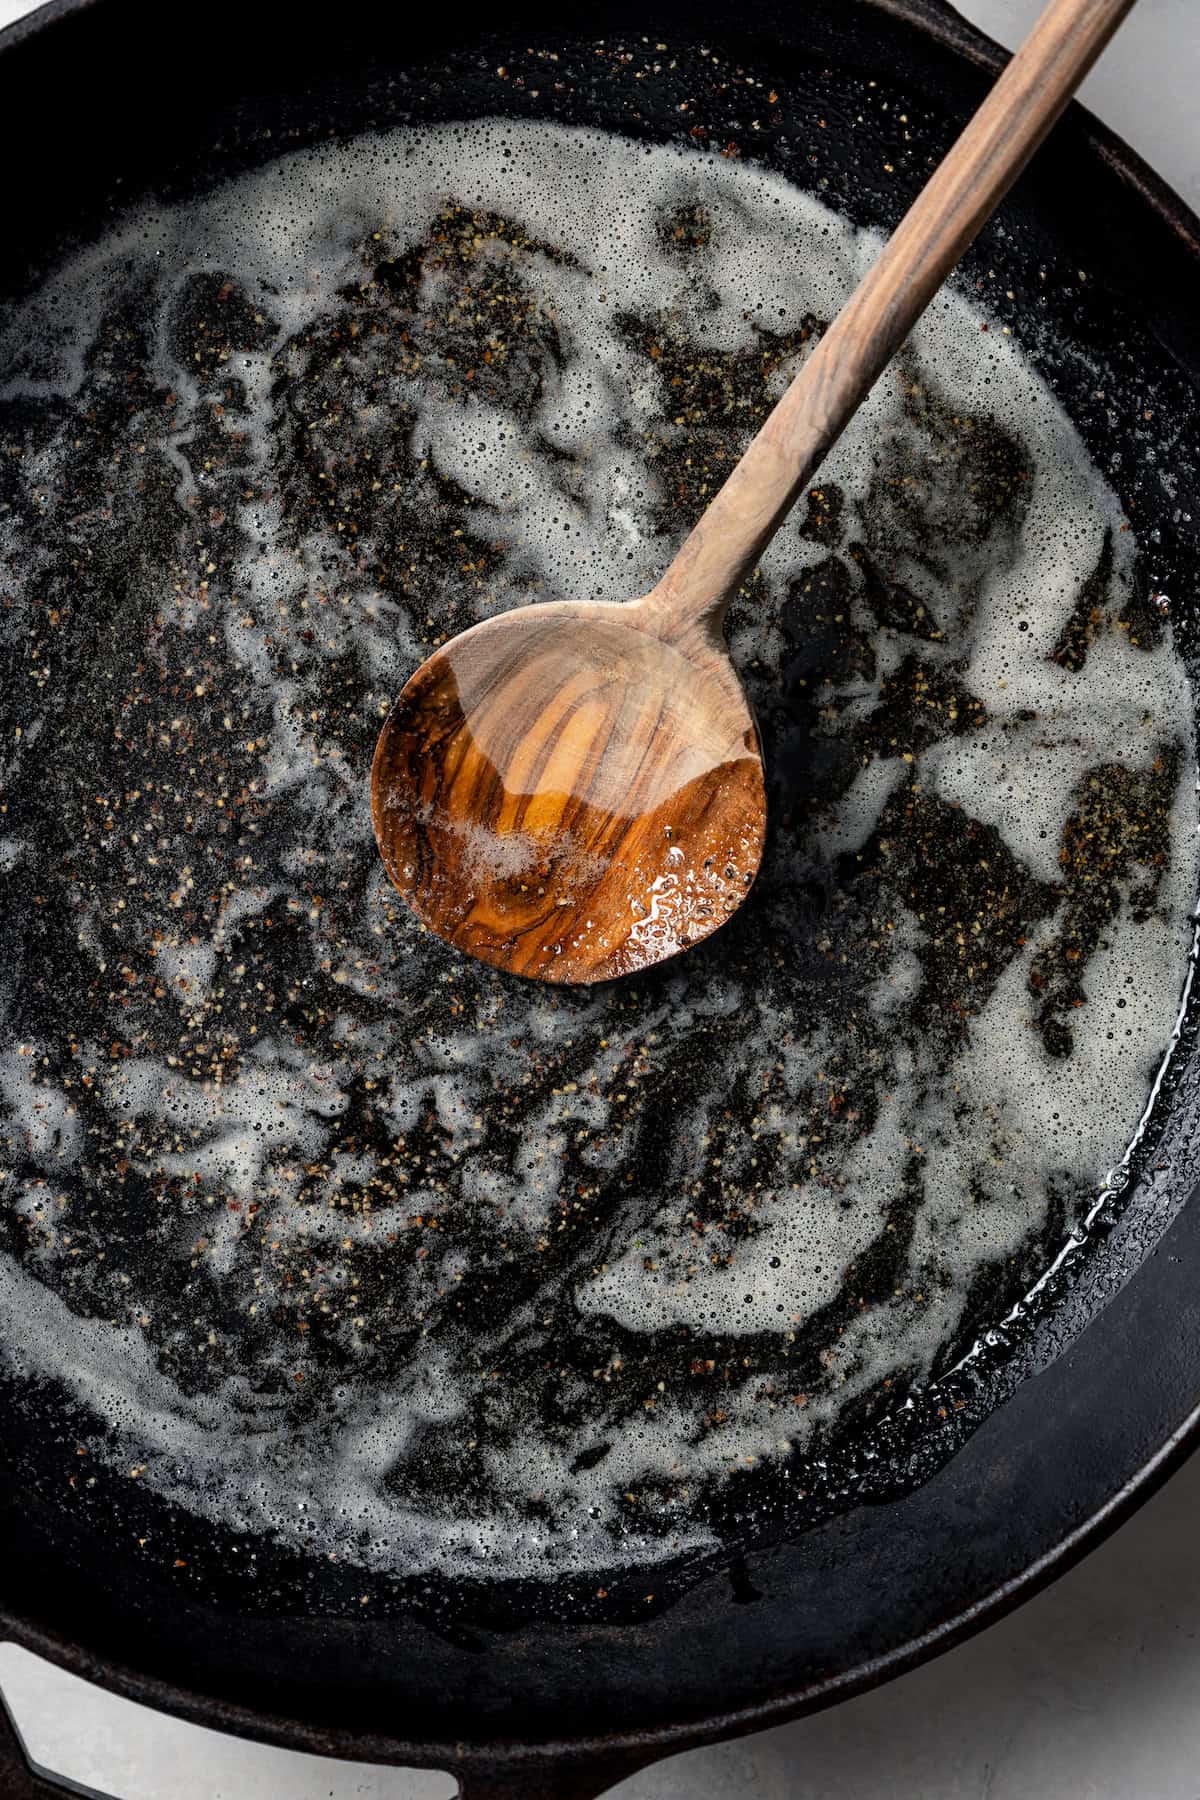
<point x="343" y="1238"/>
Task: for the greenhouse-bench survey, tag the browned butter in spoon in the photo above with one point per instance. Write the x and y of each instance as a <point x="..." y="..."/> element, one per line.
<point x="573" y="791"/>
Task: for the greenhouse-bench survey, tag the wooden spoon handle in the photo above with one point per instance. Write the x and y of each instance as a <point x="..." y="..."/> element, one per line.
<point x="734" y="530"/>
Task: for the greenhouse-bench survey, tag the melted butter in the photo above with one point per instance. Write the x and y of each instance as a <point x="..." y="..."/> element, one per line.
<point x="341" y="1239"/>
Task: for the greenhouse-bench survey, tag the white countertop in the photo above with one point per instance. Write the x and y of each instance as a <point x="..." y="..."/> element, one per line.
<point x="1089" y="1692"/>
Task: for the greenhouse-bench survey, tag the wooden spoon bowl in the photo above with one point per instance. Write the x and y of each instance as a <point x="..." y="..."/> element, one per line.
<point x="568" y="793"/>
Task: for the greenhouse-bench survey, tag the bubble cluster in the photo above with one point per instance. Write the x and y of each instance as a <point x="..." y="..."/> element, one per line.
<point x="341" y="1238"/>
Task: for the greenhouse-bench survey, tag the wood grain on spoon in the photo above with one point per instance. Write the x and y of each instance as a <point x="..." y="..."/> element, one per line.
<point x="574" y="800"/>
<point x="574" y="791"/>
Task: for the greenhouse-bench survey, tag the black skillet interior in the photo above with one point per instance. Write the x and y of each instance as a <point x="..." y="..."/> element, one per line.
<point x="903" y="1549"/>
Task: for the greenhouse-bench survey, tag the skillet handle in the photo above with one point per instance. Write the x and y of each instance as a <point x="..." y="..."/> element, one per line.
<point x="537" y="1780"/>
<point x="22" y="1779"/>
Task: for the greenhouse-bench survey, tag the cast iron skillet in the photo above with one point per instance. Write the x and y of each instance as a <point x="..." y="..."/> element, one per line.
<point x="1075" y="1413"/>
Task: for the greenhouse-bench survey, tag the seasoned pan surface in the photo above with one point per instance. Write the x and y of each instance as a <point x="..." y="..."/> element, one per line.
<point x="223" y="416"/>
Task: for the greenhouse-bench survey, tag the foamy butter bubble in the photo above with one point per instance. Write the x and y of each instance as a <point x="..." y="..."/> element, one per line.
<point x="342" y="1239"/>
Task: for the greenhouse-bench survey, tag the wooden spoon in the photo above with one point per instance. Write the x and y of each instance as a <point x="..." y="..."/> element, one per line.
<point x="574" y="791"/>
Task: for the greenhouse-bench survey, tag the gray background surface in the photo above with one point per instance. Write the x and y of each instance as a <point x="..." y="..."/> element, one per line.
<point x="1090" y="1692"/>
